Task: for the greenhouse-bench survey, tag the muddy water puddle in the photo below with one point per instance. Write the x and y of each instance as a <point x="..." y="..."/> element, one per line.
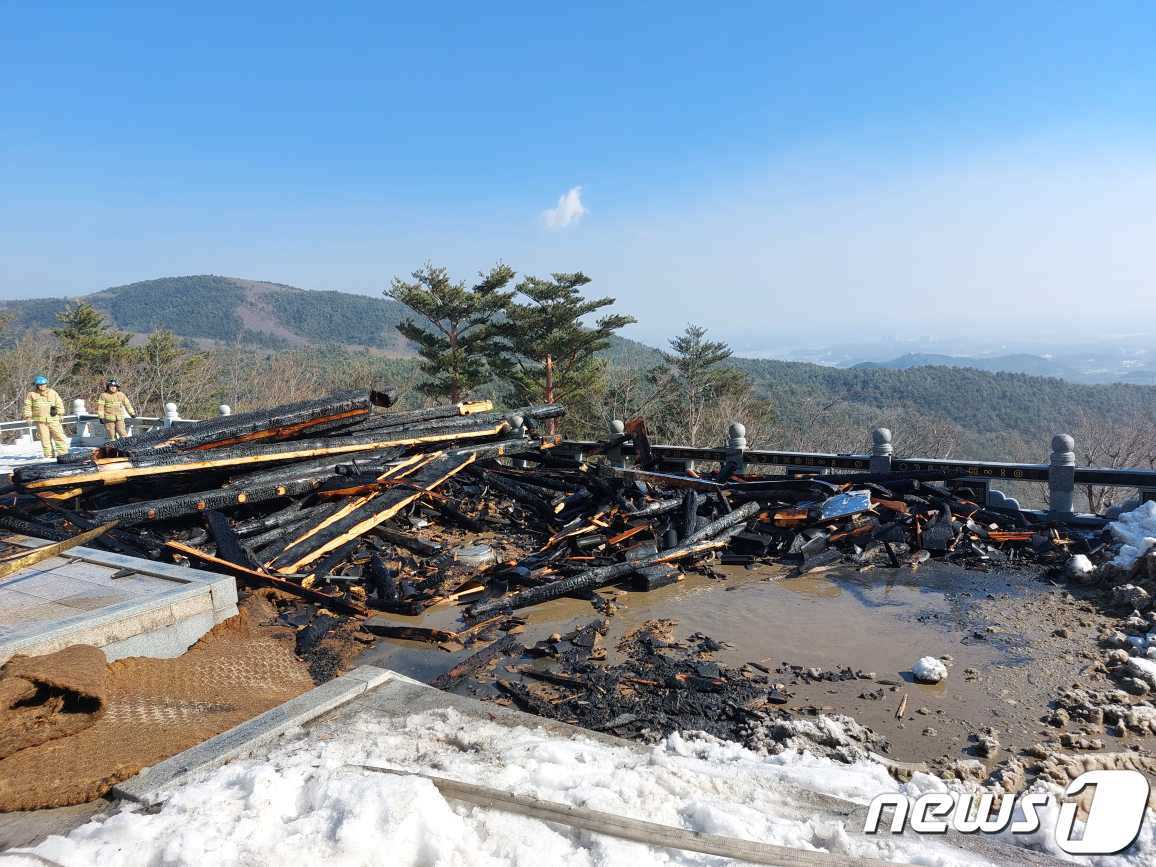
<point x="878" y="622"/>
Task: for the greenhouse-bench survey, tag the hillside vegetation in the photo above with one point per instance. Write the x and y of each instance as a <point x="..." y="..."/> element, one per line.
<point x="962" y="411"/>
<point x="231" y="310"/>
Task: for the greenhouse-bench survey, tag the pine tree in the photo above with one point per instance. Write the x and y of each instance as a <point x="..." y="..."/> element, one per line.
<point x="455" y="343"/>
<point x="545" y="352"/>
<point x="692" y="380"/>
<point x="95" y="347"/>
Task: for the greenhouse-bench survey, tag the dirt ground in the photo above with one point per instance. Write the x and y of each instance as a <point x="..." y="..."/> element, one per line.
<point x="844" y="642"/>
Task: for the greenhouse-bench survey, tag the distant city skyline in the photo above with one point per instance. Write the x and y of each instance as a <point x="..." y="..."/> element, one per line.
<point x="769" y="172"/>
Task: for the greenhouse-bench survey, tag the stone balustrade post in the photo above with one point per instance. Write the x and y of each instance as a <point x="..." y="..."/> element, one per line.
<point x="1062" y="477"/>
<point x="614" y="453"/>
<point x="171" y="414"/>
<point x="880" y="450"/>
<point x="225" y="409"/>
<point x="79" y="408"/>
<point x="517" y="426"/>
<point x="736" y="448"/>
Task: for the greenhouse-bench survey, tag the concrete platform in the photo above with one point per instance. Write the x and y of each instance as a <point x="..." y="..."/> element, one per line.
<point x="125" y="605"/>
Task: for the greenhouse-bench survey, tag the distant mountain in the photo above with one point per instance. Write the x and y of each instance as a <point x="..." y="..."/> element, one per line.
<point x="225" y="310"/>
<point x="208" y="308"/>
<point x="1032" y="365"/>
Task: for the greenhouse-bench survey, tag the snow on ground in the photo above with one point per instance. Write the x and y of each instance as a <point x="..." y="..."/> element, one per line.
<point x="1136" y="533"/>
<point x="18" y="454"/>
<point x="305" y="805"/>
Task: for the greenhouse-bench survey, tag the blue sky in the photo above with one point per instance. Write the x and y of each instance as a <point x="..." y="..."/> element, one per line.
<point x="799" y="164"/>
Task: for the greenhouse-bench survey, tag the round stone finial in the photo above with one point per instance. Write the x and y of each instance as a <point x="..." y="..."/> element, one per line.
<point x="515" y="421"/>
<point x="738" y="429"/>
<point x="171" y="410"/>
<point x="617" y="427"/>
<point x="78" y="407"/>
<point x="1063" y="443"/>
<point x="881" y="442"/>
<point x="225" y="409"/>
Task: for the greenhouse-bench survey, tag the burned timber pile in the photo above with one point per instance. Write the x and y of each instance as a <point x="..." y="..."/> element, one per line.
<point x="354" y="508"/>
<point x="336" y="501"/>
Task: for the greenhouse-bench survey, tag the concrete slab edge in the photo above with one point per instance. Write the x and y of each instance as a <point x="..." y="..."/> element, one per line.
<point x="243" y="740"/>
<point x="118" y="622"/>
<point x="180" y="574"/>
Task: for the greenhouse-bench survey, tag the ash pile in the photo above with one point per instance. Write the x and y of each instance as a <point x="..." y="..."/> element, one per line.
<point x="652" y="685"/>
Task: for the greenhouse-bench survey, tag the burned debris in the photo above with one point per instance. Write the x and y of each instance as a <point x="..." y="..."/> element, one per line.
<point x="358" y="508"/>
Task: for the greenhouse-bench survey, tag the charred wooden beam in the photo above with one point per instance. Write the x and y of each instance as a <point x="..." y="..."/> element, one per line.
<point x="321" y="468"/>
<point x="46" y="476"/>
<point x="202" y="501"/>
<point x="27" y="526"/>
<point x="593" y="578"/>
<point x="12" y="564"/>
<point x="452" y="513"/>
<point x="280" y="422"/>
<point x="260" y="579"/>
<point x="229" y="546"/>
<point x="374" y="510"/>
<point x="654" y="577"/>
<point x="659" y="507"/>
<point x="523" y="494"/>
<point x="408" y="541"/>
<point x="290" y="514"/>
<point x="383" y="582"/>
<point x="324" y="567"/>
<point x="471" y="666"/>
<point x="417" y="417"/>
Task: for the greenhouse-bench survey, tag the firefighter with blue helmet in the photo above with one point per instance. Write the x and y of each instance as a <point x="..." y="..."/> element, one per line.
<point x="44" y="408"/>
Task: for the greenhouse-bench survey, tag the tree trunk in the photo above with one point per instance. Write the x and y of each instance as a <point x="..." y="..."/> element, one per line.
<point x="456" y="386"/>
<point x="550" y="390"/>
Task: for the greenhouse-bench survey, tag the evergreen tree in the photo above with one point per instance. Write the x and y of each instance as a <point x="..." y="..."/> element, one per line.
<point x="544" y="351"/>
<point x="692" y="381"/>
<point x="455" y="343"/>
<point x="95" y="347"/>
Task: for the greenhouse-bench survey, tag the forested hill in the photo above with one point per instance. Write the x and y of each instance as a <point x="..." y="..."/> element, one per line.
<point x="1010" y="414"/>
<point x="232" y="310"/>
<point x="1000" y="414"/>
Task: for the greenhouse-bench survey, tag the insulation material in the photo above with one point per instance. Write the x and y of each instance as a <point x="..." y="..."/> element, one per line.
<point x="141" y="710"/>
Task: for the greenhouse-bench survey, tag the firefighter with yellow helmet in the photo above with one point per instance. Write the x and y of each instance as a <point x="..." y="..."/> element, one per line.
<point x="44" y="408"/>
<point x="113" y="406"/>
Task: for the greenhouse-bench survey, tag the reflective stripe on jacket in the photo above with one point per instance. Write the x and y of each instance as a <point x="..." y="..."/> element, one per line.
<point x="37" y="406"/>
<point x="112" y="406"/>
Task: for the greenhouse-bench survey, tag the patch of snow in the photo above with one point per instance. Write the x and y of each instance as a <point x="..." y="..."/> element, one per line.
<point x="1136" y="533"/>
<point x="1143" y="668"/>
<point x="306" y="804"/>
<point x="929" y="670"/>
<point x="1079" y="566"/>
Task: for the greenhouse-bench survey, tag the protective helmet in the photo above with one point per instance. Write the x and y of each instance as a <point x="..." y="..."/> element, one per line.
<point x="112" y="382"/>
<point x="40" y="380"/>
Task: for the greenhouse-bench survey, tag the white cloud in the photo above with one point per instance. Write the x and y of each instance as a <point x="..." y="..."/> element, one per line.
<point x="569" y="210"/>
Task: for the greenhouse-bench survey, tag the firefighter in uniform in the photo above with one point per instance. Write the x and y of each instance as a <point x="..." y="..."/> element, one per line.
<point x="44" y="408"/>
<point x="113" y="406"/>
